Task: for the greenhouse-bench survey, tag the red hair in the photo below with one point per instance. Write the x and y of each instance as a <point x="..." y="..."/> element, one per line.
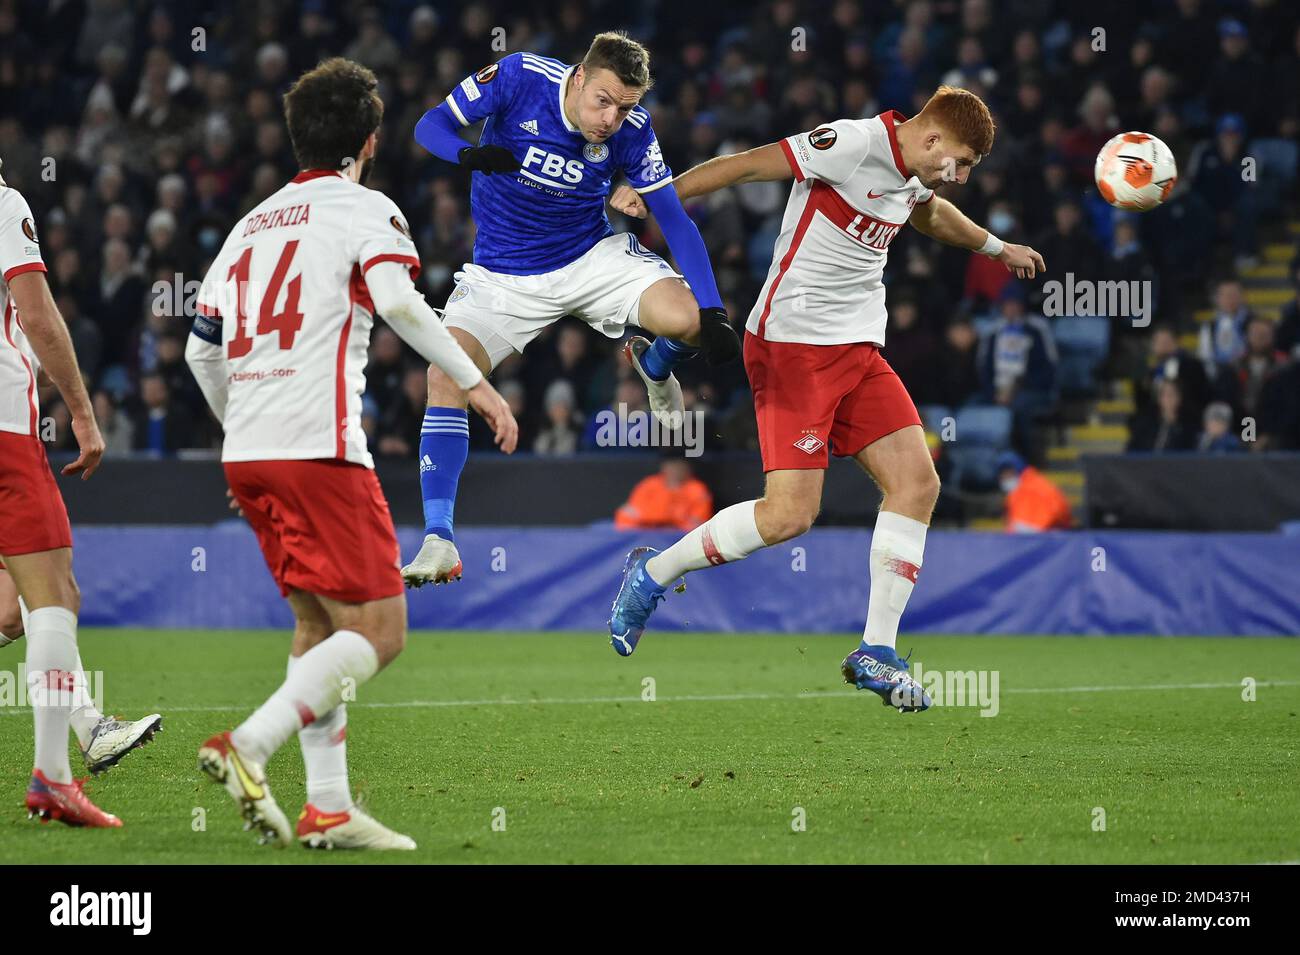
<point x="963" y="114"/>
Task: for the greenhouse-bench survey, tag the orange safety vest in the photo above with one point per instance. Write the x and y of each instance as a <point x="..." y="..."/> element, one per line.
<point x="1038" y="503"/>
<point x="654" y="504"/>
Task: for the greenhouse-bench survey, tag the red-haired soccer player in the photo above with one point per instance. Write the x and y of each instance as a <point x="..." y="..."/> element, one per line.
<point x="812" y="352"/>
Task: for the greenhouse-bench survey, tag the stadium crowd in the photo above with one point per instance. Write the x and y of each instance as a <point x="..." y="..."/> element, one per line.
<point x="139" y="133"/>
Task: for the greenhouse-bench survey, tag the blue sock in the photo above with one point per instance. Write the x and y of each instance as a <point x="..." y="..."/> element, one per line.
<point x="444" y="446"/>
<point x="663" y="355"/>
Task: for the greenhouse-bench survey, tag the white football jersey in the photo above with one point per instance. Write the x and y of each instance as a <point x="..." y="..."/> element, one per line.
<point x="19" y="252"/>
<point x="851" y="196"/>
<point x="295" y="340"/>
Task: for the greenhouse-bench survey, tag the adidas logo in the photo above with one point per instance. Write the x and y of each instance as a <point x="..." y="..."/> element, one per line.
<point x="529" y="127"/>
<point x="426" y="464"/>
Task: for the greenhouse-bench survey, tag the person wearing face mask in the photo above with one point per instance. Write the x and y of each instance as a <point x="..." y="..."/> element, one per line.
<point x="985" y="277"/>
<point x="1033" y="503"/>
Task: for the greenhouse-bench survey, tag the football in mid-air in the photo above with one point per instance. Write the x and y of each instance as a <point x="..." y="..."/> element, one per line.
<point x="1135" y="171"/>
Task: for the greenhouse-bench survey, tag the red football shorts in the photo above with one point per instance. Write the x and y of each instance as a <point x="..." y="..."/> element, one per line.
<point x="809" y="396"/>
<point x="323" y="526"/>
<point x="33" y="517"/>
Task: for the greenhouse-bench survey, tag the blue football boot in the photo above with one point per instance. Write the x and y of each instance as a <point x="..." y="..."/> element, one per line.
<point x="635" y="602"/>
<point x="880" y="670"/>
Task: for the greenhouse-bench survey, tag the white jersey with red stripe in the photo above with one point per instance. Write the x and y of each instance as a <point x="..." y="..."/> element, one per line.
<point x="19" y="252"/>
<point x="295" y="340"/>
<point x="852" y="195"/>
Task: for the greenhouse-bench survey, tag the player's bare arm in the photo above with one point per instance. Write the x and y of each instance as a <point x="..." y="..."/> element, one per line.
<point x="50" y="340"/>
<point x="761" y="164"/>
<point x="941" y="220"/>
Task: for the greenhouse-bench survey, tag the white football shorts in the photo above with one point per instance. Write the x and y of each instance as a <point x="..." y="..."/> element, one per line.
<point x="603" y="288"/>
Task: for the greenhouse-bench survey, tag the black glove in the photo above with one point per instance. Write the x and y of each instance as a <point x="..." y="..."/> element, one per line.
<point x="718" y="340"/>
<point x="488" y="159"/>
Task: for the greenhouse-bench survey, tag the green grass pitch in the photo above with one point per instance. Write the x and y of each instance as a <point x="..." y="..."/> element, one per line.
<point x="747" y="735"/>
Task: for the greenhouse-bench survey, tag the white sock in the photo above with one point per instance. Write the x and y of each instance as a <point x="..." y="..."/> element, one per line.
<point x="325" y="754"/>
<point x="313" y="689"/>
<point x="731" y="534"/>
<point x="84" y="715"/>
<point x="52" y="671"/>
<point x="897" y="545"/>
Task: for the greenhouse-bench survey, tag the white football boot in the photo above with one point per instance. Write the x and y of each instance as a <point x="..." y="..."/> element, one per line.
<point x="666" y="402"/>
<point x="111" y="739"/>
<point x="438" y="562"/>
<point x="245" y="780"/>
<point x="347" y="830"/>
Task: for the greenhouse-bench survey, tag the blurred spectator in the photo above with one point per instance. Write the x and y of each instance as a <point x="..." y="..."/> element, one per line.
<point x="1169" y="362"/>
<point x="1033" y="503"/>
<point x="1238" y="76"/>
<point x="114" y="425"/>
<point x="987" y="277"/>
<point x="1128" y="262"/>
<point x="1164" y="429"/>
<point x="87" y="339"/>
<point x="673" y="498"/>
<point x="1217" y="435"/>
<point x="513" y="391"/>
<point x="161" y="425"/>
<point x="120" y="295"/>
<point x="1067" y="246"/>
<point x="387" y="368"/>
<point x="560" y="436"/>
<point x="1288" y="327"/>
<point x="160" y="150"/>
<point x="1223" y="338"/>
<point x="1216" y="176"/>
<point x="958" y="359"/>
<point x="1079" y="147"/>
<point x="1018" y="359"/>
<point x="1279" y="423"/>
<point x="566" y="354"/>
<point x="629" y="400"/>
<point x="400" y="421"/>
<point x="1244" y="379"/>
<point x="373" y="46"/>
<point x="910" y="350"/>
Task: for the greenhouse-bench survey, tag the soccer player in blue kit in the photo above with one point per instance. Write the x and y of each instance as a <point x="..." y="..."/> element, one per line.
<point x="556" y="136"/>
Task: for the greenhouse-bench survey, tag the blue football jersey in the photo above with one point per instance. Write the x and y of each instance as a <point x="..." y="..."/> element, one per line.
<point x="553" y="210"/>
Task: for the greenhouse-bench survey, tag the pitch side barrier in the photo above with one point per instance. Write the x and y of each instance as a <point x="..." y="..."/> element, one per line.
<point x="518" y="579"/>
<point x="1202" y="492"/>
<point x="1227" y="492"/>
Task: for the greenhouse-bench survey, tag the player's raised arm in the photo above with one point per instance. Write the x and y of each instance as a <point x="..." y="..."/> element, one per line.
<point x="830" y="153"/>
<point x="940" y="219"/>
<point x="761" y="164"/>
<point x="52" y="344"/>
<point x="477" y="97"/>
